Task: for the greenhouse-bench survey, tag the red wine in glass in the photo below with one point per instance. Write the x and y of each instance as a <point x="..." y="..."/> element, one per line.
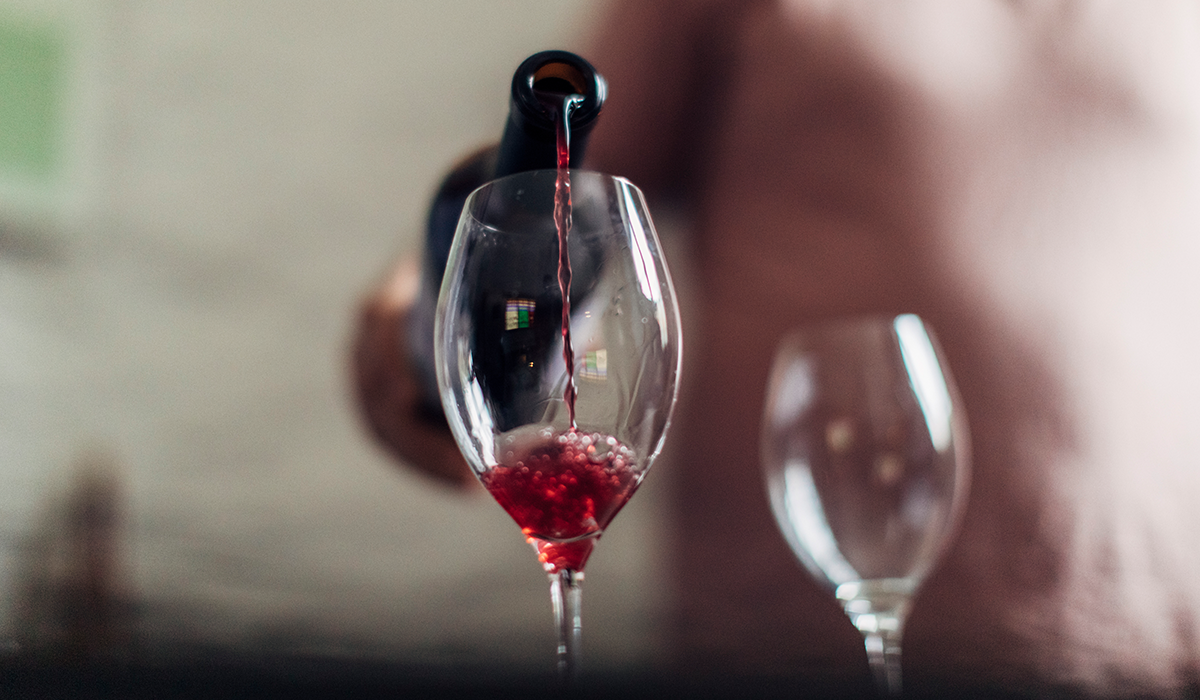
<point x="563" y="491"/>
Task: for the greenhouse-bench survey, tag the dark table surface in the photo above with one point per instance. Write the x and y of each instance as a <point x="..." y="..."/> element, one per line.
<point x="208" y="675"/>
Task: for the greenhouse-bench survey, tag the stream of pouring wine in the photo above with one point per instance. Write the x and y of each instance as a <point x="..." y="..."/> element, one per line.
<point x="562" y="222"/>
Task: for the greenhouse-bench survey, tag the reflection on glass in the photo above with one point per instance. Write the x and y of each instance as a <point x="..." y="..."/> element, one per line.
<point x="926" y="378"/>
<point x="809" y="535"/>
<point x="595" y="365"/>
<point x="518" y="313"/>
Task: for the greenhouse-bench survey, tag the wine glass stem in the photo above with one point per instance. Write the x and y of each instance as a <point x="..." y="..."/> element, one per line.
<point x="565" y="596"/>
<point x="883" y="654"/>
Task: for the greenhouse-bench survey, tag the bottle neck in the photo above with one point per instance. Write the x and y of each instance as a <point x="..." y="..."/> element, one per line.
<point x="540" y="85"/>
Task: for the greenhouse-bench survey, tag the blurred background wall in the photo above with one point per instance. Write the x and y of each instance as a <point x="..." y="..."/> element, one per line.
<point x="193" y="196"/>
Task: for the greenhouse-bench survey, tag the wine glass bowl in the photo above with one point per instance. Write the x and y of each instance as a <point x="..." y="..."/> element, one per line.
<point x="560" y="439"/>
<point x="865" y="455"/>
<point x="498" y="338"/>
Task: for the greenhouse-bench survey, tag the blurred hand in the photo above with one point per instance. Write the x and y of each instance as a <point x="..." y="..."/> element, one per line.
<point x="387" y="389"/>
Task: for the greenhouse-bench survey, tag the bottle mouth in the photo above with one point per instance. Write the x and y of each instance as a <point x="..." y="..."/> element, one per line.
<point x="559" y="80"/>
<point x="551" y="76"/>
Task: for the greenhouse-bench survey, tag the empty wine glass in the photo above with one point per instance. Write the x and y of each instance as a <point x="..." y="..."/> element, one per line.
<point x="559" y="405"/>
<point x="865" y="454"/>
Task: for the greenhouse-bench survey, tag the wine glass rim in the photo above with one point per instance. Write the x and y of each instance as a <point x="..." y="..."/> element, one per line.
<point x="552" y="173"/>
<point x="846" y="322"/>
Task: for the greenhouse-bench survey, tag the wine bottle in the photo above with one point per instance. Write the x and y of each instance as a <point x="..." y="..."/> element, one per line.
<point x="539" y="87"/>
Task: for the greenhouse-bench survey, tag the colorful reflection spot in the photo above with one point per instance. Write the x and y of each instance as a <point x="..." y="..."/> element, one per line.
<point x="518" y="313"/>
<point x="595" y="364"/>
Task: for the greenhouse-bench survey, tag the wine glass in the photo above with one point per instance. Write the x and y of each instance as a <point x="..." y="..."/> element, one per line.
<point x="559" y="405"/>
<point x="866" y="459"/>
